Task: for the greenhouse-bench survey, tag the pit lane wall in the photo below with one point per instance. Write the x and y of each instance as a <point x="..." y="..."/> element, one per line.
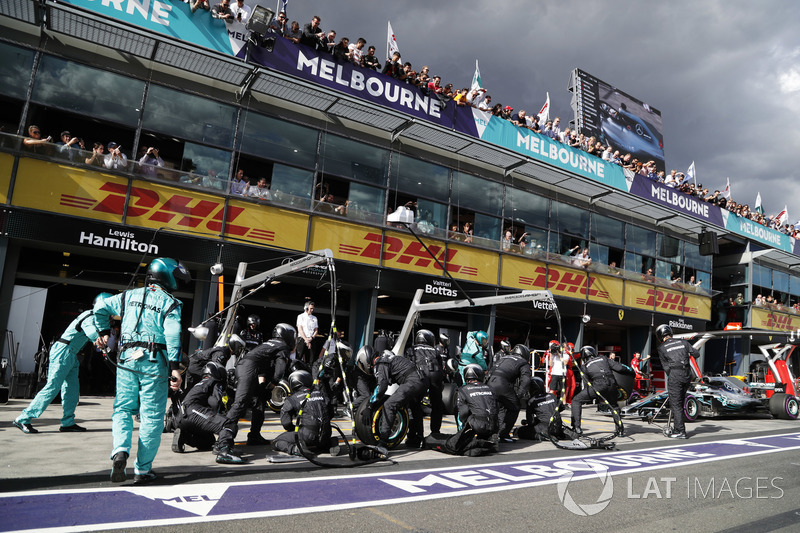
<point x="125" y="204"/>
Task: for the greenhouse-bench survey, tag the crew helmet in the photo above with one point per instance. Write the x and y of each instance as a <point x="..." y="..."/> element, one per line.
<point x="663" y="331"/>
<point x="587" y="352"/>
<point x="505" y="346"/>
<point x="521" y="350"/>
<point x="537" y="387"/>
<point x="344" y="349"/>
<point x="168" y="273"/>
<point x="300" y="379"/>
<point x="254" y="319"/>
<point x="482" y="338"/>
<point x="444" y="339"/>
<point x="554" y="346"/>
<point x="236" y="344"/>
<point x="473" y="372"/>
<point x="215" y="371"/>
<point x="286" y="333"/>
<point x="365" y="359"/>
<point x="425" y="336"/>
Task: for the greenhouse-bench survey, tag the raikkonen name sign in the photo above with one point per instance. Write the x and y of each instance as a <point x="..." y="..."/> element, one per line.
<point x="96" y="195"/>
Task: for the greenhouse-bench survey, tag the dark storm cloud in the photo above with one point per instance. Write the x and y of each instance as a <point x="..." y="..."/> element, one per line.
<point x="724" y="74"/>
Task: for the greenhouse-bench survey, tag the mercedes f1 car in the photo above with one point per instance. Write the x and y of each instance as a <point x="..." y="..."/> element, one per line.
<point x="769" y="386"/>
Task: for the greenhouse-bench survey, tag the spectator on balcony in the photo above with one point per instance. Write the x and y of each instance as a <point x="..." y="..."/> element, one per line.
<point x="608" y="154"/>
<point x="409" y="75"/>
<point x="260" y="190"/>
<point x="548" y="131"/>
<point x="329" y="42"/>
<point x="467" y="232"/>
<point x="242" y="14"/>
<point x="672" y="179"/>
<point x="486" y="104"/>
<point x="223" y="12"/>
<point x="115" y="159"/>
<point x="150" y="162"/>
<point x="370" y="61"/>
<point x="435" y="85"/>
<point x="341" y="50"/>
<point x="200" y="4"/>
<point x="574" y="140"/>
<point x="97" y="159"/>
<point x="582" y="259"/>
<point x="461" y="97"/>
<point x="448" y="93"/>
<point x="507" y="240"/>
<point x="34" y="141"/>
<point x="615" y="159"/>
<point x="563" y="137"/>
<point x="557" y="128"/>
<point x="295" y="34"/>
<point x="533" y="124"/>
<point x="68" y="146"/>
<point x="507" y="112"/>
<point x="694" y="282"/>
<point x="519" y="119"/>
<point x="423" y="77"/>
<point x="497" y="110"/>
<point x="279" y="25"/>
<point x="476" y="96"/>
<point x="649" y="276"/>
<point x="393" y="67"/>
<point x="357" y="50"/>
<point x="313" y="34"/>
<point x="240" y="183"/>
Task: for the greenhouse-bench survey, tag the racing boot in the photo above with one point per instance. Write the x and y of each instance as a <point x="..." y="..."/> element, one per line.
<point x="255" y="439"/>
<point x="144" y="479"/>
<point x="228" y="458"/>
<point x="120" y="461"/>
<point x="675" y="434"/>
<point x="577" y="430"/>
<point x="178" y="441"/>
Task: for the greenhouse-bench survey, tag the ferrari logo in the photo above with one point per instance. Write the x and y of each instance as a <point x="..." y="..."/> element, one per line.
<point x="621" y="313"/>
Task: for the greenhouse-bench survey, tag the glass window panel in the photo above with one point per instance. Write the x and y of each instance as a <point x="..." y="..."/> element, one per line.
<point x="277" y="140"/>
<point x="705" y="280"/>
<point x="524" y="207"/>
<point x="762" y="276"/>
<point x="432" y="218"/>
<point x="794" y="285"/>
<point x="472" y="192"/>
<point x="598" y="253"/>
<point x="353" y="159"/>
<point x="608" y="231"/>
<point x="487" y="227"/>
<point x="210" y="163"/>
<point x="667" y="270"/>
<point x="694" y="259"/>
<point x="780" y="281"/>
<point x="188" y="116"/>
<point x="292" y="186"/>
<point x="569" y="219"/>
<point x="534" y="241"/>
<point x="15" y="70"/>
<point x="641" y="240"/>
<point x="419" y="178"/>
<point x="88" y="91"/>
<point x="366" y="198"/>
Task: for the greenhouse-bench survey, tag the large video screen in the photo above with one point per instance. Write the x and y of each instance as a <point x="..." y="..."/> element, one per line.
<point x="614" y="117"/>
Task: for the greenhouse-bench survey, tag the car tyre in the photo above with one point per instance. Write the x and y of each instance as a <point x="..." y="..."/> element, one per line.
<point x="368" y="420"/>
<point x="449" y="395"/>
<point x="691" y="408"/>
<point x="278" y="397"/>
<point x="784" y="406"/>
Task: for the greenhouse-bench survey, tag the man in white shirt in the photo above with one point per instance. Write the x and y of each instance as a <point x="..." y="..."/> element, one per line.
<point x="307" y="327"/>
<point x="241" y="12"/>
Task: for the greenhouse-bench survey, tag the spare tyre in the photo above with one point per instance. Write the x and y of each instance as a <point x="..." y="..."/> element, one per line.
<point x="368" y="424"/>
<point x="449" y="396"/>
<point x="784" y="406"/>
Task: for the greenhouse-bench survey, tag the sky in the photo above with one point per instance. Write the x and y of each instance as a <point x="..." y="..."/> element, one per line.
<point x="725" y="74"/>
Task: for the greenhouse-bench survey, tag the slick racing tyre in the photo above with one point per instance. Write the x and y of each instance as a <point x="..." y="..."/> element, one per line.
<point x="691" y="408"/>
<point x="449" y="395"/>
<point x="784" y="406"/>
<point x="278" y="397"/>
<point x="368" y="420"/>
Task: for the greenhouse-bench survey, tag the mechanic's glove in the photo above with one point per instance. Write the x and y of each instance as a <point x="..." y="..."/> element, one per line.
<point x="374" y="398"/>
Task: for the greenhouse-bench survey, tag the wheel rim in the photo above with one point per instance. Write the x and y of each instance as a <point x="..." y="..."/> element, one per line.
<point x="792" y="407"/>
<point x="691" y="408"/>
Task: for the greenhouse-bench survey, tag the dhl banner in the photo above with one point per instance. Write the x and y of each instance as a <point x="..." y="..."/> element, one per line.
<point x="638" y="296"/>
<point x="471" y="264"/>
<point x="265" y="225"/>
<point x="562" y="281"/>
<point x="69" y="190"/>
<point x="697" y="306"/>
<point x="773" y="320"/>
<point x="403" y="251"/>
<point x="349" y="242"/>
<point x="605" y="289"/>
<point x="6" y="164"/>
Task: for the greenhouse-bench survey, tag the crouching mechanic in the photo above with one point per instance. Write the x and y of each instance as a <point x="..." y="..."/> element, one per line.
<point x="542" y="418"/>
<point x="314" y="431"/>
<point x="62" y="374"/>
<point x="272" y="354"/>
<point x="509" y="368"/>
<point x="394" y="369"/>
<point x="600" y="385"/>
<point x="150" y="350"/>
<point x="201" y="418"/>
<point x="476" y="419"/>
<point x="674" y="355"/>
<point x="364" y="377"/>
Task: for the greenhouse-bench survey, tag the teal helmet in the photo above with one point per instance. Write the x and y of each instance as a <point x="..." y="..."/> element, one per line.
<point x="101" y="296"/>
<point x="482" y="338"/>
<point x="168" y="273"/>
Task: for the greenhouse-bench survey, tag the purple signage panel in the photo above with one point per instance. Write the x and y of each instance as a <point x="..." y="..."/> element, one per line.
<point x="674" y="199"/>
<point x="323" y="69"/>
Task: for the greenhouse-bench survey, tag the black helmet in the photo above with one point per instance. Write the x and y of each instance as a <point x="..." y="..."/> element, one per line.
<point x="663" y="331"/>
<point x="537" y="387"/>
<point x="444" y="339"/>
<point x="452" y="365"/>
<point x="365" y="358"/>
<point x="254" y="319"/>
<point x="286" y="333"/>
<point x="300" y="379"/>
<point x="236" y="344"/>
<point x="473" y="372"/>
<point x="215" y="371"/>
<point x="522" y="351"/>
<point x="344" y="349"/>
<point x="505" y="346"/>
<point x="587" y="352"/>
<point x="168" y="273"/>
<point x="425" y="336"/>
